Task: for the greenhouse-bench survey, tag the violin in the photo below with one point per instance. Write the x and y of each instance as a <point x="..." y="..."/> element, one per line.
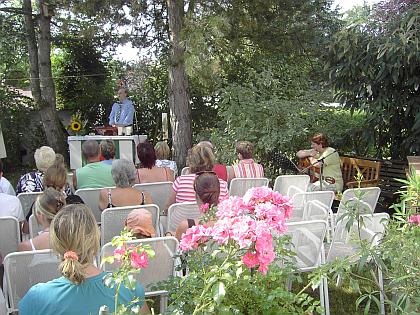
<point x="314" y="172"/>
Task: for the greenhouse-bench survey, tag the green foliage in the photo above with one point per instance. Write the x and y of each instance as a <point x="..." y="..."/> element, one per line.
<point x="374" y="66"/>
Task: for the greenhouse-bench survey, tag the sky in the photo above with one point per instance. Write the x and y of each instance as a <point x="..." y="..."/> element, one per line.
<point x="128" y="53"/>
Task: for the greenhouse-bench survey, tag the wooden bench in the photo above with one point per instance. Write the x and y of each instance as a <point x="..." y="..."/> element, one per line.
<point x="369" y="169"/>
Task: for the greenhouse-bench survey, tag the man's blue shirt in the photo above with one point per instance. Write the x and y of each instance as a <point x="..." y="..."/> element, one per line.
<point x="126" y="114"/>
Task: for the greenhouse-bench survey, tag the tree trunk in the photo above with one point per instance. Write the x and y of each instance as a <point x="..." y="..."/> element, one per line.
<point x="178" y="86"/>
<point x="52" y="126"/>
<point x="42" y="84"/>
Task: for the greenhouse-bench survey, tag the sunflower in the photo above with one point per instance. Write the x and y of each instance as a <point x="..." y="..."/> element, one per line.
<point x="75" y="125"/>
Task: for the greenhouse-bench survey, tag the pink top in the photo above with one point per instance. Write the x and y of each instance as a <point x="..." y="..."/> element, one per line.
<point x="183" y="187"/>
<point x="247" y="168"/>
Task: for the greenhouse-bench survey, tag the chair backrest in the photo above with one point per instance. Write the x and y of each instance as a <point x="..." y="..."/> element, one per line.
<point x="185" y="170"/>
<point x="161" y="267"/>
<point x="239" y="186"/>
<point x="350" y="167"/>
<point x="307" y="238"/>
<point x="158" y="191"/>
<point x="179" y="212"/>
<point x="308" y="205"/>
<point x="113" y="220"/>
<point x="27" y="199"/>
<point x="283" y="182"/>
<point x="90" y="197"/>
<point x="368" y="195"/>
<point x="9" y="235"/>
<point x="22" y="270"/>
<point x="34" y="227"/>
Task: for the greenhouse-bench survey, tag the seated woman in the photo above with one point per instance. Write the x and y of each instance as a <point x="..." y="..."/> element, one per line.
<point x="75" y="238"/>
<point x="124" y="175"/>
<point x="246" y="168"/>
<point x="321" y="155"/>
<point x="200" y="159"/>
<point x="162" y="156"/>
<point x="207" y="191"/>
<point x="140" y="223"/>
<point x="46" y="207"/>
<point x="149" y="172"/>
<point x="222" y="171"/>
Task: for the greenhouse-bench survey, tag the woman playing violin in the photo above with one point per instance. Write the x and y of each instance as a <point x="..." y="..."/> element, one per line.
<point x="321" y="155"/>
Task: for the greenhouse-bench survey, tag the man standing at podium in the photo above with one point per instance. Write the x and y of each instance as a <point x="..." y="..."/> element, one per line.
<point x="122" y="114"/>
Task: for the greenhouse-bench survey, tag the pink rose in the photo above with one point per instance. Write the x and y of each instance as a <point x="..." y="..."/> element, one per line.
<point x="250" y="259"/>
<point x="139" y="260"/>
<point x="198" y="234"/>
<point x="414" y="219"/>
<point x="119" y="253"/>
<point x="204" y="207"/>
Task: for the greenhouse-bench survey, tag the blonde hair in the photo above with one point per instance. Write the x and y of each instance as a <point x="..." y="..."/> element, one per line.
<point x="245" y="148"/>
<point x="44" y="158"/>
<point x="74" y="230"/>
<point x="49" y="203"/>
<point x="55" y="176"/>
<point x="162" y="150"/>
<point x="200" y="159"/>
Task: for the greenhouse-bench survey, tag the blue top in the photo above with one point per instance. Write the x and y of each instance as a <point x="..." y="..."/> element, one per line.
<point x="125" y="115"/>
<point x="61" y="297"/>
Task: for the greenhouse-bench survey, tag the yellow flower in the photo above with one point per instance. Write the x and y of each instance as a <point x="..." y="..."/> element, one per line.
<point x="75" y="125"/>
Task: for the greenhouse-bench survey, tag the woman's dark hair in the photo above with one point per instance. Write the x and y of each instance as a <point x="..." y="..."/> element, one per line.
<point x="207" y="188"/>
<point x="320" y="138"/>
<point x="146" y="154"/>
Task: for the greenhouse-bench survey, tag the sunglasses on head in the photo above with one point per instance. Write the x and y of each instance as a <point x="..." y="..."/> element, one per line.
<point x="205" y="172"/>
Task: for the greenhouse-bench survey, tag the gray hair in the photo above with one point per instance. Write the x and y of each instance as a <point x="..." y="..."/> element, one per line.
<point x="44" y="158"/>
<point x="124" y="173"/>
<point x="107" y="149"/>
<point x="90" y="148"/>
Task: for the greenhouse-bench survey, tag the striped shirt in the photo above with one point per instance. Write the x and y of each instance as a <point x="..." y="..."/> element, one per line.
<point x="183" y="187"/>
<point x="247" y="168"/>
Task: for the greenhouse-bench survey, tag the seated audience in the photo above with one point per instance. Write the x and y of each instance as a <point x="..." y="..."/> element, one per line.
<point x="74" y="236"/>
<point x="124" y="174"/>
<point x="107" y="151"/>
<point x="207" y="191"/>
<point x="140" y="223"/>
<point x="222" y="171"/>
<point x="149" y="172"/>
<point x="162" y="157"/>
<point x="32" y="182"/>
<point x="200" y="160"/>
<point x="246" y="168"/>
<point x="5" y="185"/>
<point x="94" y="174"/>
<point x="46" y="207"/>
<point x="10" y="206"/>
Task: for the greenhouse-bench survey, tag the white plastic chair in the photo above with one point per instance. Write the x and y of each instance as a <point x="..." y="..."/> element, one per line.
<point x="315" y="205"/>
<point x="239" y="186"/>
<point x="22" y="270"/>
<point x="9" y="235"/>
<point x="34" y="227"/>
<point x="27" y="199"/>
<point x="161" y="267"/>
<point x="90" y="197"/>
<point x="283" y="183"/>
<point x="179" y="212"/>
<point x="307" y="238"/>
<point x="3" y="306"/>
<point x="185" y="170"/>
<point x="346" y="243"/>
<point x="158" y="191"/>
<point x="113" y="220"/>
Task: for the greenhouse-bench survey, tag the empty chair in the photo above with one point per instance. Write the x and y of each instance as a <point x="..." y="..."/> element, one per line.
<point x="307" y="240"/>
<point x="179" y="212"/>
<point x="315" y="205"/>
<point x="158" y="191"/>
<point x="27" y="199"/>
<point x="9" y="235"/>
<point x="161" y="267"/>
<point x="239" y="186"/>
<point x="113" y="220"/>
<point x="34" y="227"/>
<point x="24" y="269"/>
<point x="90" y="197"/>
<point x="283" y="183"/>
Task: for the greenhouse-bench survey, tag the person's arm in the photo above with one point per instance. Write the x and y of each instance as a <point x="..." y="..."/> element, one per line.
<point x="230" y="173"/>
<point x="128" y="119"/>
<point x="147" y="198"/>
<point x="171" y="200"/>
<point x="112" y="115"/>
<point x="24" y="246"/>
<point x="74" y="180"/>
<point x="181" y="229"/>
<point x="171" y="173"/>
<point x="305" y="153"/>
<point x="103" y="199"/>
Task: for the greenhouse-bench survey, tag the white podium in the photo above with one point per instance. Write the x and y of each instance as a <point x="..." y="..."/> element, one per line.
<point x="125" y="147"/>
